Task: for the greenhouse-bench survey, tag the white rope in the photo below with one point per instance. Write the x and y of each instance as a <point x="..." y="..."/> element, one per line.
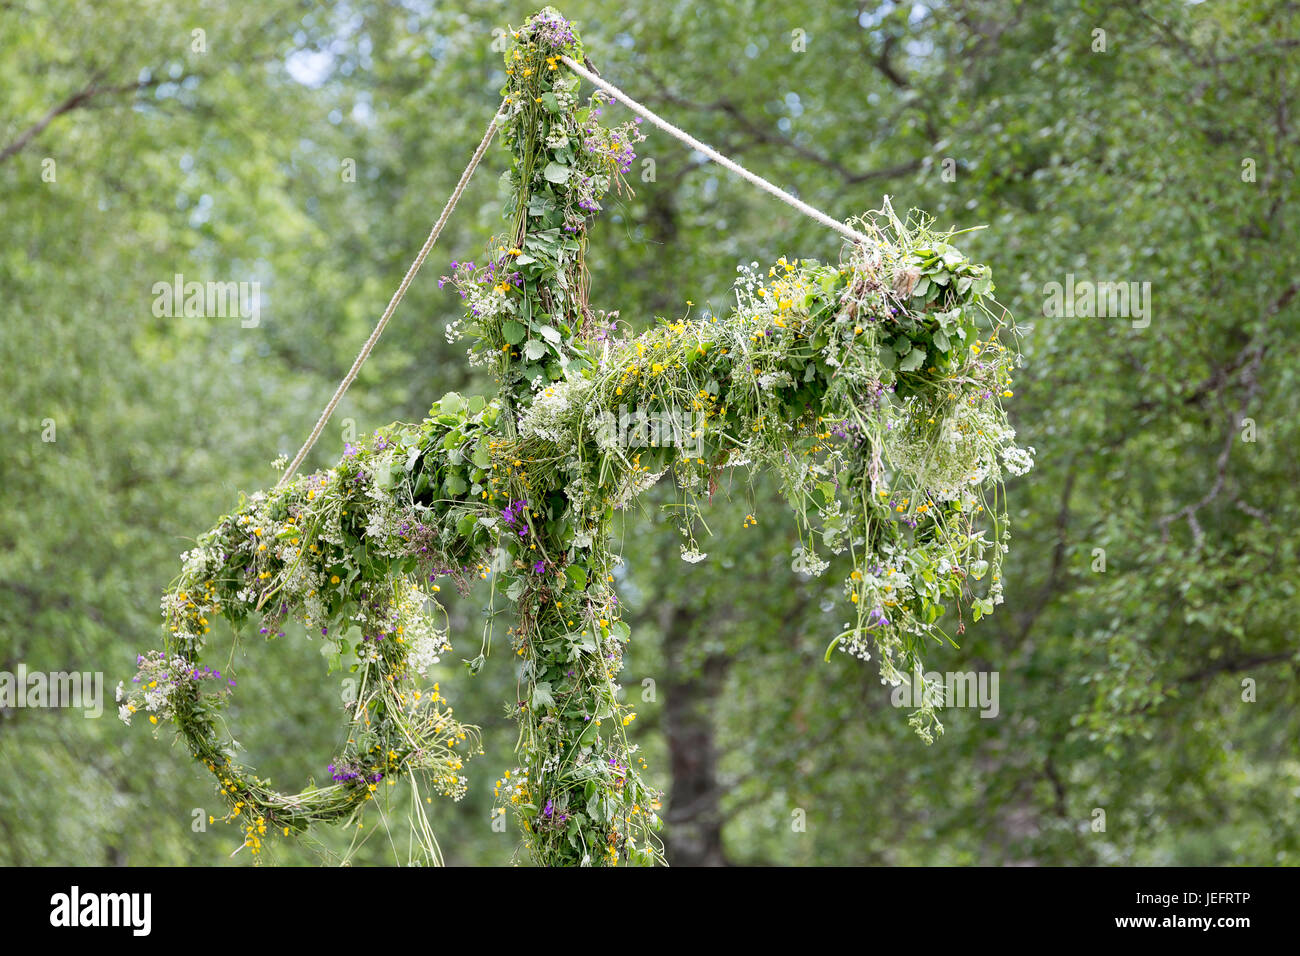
<point x="713" y="154"/>
<point x="392" y="304"/>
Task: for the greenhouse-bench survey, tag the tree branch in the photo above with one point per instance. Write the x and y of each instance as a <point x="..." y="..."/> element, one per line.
<point x="76" y="100"/>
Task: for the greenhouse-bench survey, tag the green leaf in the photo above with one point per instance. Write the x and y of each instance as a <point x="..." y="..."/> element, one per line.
<point x="581" y="643"/>
<point x="827" y="489"/>
<point x="555" y="173"/>
<point x="914" y="360"/>
<point x="535" y="349"/>
<point x="513" y="331"/>
<point x="577" y="575"/>
<point x="542" y="695"/>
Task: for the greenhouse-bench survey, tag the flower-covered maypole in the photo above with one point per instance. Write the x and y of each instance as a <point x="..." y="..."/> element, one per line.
<point x="873" y="387"/>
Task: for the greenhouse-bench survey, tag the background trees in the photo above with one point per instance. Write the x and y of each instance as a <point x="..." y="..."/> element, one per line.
<point x="1160" y="151"/>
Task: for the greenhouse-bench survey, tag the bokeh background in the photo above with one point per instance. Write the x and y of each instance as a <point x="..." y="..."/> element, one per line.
<point x="1155" y="686"/>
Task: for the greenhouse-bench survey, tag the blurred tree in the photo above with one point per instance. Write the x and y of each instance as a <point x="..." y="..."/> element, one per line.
<point x="1149" y="141"/>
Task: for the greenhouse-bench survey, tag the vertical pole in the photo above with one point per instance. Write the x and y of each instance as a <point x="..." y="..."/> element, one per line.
<point x="579" y="797"/>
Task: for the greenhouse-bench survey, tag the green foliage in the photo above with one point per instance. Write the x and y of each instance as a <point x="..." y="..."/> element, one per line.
<point x="1121" y="690"/>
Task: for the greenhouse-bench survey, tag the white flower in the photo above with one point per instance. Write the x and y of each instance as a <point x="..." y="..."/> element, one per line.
<point x="807" y="562"/>
<point x="769" y="380"/>
<point x="692" y="555"/>
<point x="1018" y="460"/>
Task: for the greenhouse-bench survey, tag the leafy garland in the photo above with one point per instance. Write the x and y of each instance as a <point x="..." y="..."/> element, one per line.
<point x="873" y="387"/>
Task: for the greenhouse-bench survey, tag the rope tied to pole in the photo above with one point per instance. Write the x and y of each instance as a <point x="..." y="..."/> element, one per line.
<point x="397" y="297"/>
<point x="620" y="96"/>
<point x="712" y="153"/>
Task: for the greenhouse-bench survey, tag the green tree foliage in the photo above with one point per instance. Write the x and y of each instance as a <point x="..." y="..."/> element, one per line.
<point x="1161" y="150"/>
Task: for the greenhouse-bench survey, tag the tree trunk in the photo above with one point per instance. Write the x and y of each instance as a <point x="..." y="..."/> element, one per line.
<point x="694" y="817"/>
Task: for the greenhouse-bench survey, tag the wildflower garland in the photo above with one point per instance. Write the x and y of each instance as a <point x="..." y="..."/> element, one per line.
<point x="340" y="561"/>
<point x="872" y="386"/>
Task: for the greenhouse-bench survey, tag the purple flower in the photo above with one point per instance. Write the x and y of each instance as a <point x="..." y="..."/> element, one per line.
<point x="514" y="512"/>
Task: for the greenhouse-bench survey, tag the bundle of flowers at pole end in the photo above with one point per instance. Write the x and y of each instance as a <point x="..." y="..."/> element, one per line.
<point x="875" y="388"/>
